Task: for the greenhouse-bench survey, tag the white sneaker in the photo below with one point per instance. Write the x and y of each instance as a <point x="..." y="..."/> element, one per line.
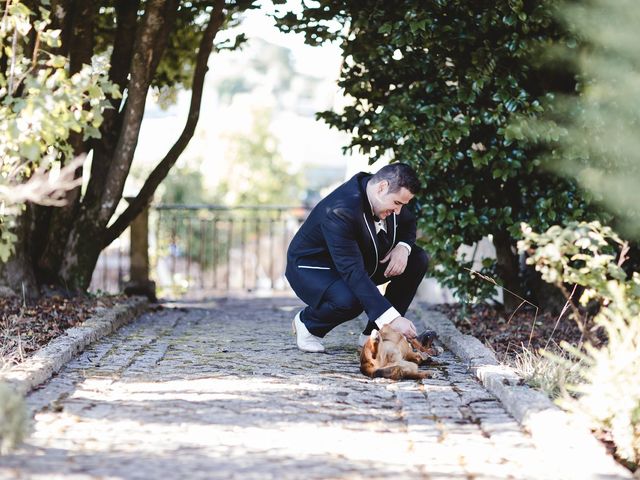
<point x="306" y="341"/>
<point x="362" y="339"/>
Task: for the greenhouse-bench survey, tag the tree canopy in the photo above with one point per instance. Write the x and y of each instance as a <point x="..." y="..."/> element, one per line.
<point x="141" y="44"/>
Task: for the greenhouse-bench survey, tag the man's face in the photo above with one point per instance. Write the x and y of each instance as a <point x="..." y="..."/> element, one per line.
<point x="385" y="203"/>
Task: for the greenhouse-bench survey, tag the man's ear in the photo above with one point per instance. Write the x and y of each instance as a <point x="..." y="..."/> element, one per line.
<point x="383" y="186"/>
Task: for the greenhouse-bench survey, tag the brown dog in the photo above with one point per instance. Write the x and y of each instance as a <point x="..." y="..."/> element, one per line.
<point x="388" y="354"/>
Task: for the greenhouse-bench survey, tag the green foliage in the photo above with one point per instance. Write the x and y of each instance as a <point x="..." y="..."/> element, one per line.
<point x="591" y="255"/>
<point x="580" y="253"/>
<point x="596" y="131"/>
<point x="258" y="175"/>
<point x="13" y="418"/>
<point x="185" y="186"/>
<point x="439" y="85"/>
<point x="41" y="105"/>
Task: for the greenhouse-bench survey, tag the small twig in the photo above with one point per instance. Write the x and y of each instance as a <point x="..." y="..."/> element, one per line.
<point x="566" y="294"/>
<point x="20" y="349"/>
<point x="12" y="68"/>
<point x="514" y="312"/>
<point x="623" y="254"/>
<point x="35" y="48"/>
<point x="564" y="309"/>
<point x="533" y="327"/>
<point x="491" y="280"/>
<point x="504" y="358"/>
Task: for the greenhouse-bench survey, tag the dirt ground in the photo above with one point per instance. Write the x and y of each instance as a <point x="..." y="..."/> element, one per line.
<point x="507" y="334"/>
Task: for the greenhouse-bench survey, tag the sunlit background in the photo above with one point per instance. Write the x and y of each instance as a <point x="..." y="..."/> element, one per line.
<point x="271" y="89"/>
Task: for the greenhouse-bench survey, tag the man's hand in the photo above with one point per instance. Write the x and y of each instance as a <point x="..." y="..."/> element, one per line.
<point x="397" y="259"/>
<point x="404" y="326"/>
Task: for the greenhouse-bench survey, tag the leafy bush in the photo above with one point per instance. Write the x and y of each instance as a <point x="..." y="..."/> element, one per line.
<point x="13" y="418"/>
<point x="41" y="106"/>
<point x="438" y="85"/>
<point x="592" y="255"/>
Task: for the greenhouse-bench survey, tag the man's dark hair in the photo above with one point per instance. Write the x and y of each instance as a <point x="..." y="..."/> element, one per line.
<point x="398" y="175"/>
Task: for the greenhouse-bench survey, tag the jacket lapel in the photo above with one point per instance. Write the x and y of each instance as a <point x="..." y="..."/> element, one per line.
<point x="369" y="230"/>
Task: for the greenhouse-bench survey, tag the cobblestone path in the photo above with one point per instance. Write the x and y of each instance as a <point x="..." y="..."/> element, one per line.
<point x="218" y="390"/>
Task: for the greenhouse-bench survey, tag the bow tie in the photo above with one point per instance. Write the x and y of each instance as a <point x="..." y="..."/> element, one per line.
<point x="381" y="225"/>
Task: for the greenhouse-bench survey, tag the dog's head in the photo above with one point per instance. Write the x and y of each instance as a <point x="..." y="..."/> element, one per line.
<point x="424" y="343"/>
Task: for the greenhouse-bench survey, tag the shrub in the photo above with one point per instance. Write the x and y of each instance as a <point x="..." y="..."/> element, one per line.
<point x="13" y="418"/>
<point x="439" y="85"/>
<point x="592" y="255"/>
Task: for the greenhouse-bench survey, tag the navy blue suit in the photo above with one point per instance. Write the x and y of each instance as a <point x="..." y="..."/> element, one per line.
<point x="333" y="261"/>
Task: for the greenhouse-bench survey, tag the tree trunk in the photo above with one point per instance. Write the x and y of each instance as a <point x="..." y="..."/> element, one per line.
<point x="508" y="270"/>
<point x="90" y="233"/>
<point x="104" y="192"/>
<point x="76" y="20"/>
<point x="547" y="297"/>
<point x="18" y="273"/>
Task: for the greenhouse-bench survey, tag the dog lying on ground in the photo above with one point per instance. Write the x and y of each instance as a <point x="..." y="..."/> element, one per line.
<point x="388" y="354"/>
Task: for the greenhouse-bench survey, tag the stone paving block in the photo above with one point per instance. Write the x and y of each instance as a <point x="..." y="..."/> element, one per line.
<point x="218" y="390"/>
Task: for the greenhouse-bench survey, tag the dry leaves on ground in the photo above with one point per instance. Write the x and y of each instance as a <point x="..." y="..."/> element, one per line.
<point x="507" y="334"/>
<point x="24" y="328"/>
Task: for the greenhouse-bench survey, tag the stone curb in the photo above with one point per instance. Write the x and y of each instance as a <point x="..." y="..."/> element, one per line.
<point x="38" y="368"/>
<point x="567" y="441"/>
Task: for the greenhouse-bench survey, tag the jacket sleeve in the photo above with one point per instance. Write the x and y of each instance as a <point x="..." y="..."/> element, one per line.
<point x="339" y="230"/>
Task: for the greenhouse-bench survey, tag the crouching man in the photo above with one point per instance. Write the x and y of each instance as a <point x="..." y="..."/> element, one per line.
<point x="356" y="238"/>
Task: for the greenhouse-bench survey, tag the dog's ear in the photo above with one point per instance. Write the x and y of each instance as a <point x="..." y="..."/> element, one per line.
<point x="426" y="338"/>
<point x="374" y="338"/>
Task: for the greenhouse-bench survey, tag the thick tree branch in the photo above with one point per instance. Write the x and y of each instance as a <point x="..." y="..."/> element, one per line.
<point x="144" y="50"/>
<point x="123" y="42"/>
<point x="115" y="153"/>
<point x="127" y="23"/>
<point x="162" y="37"/>
<point x="162" y="169"/>
<point x="82" y="34"/>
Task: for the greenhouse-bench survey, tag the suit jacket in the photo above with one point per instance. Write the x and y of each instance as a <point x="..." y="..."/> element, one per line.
<point x="338" y="241"/>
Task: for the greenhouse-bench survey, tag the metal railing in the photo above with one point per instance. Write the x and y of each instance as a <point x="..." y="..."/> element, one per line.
<point x="208" y="247"/>
<point x="211" y="247"/>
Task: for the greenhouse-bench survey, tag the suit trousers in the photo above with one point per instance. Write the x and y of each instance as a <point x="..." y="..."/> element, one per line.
<point x="339" y="304"/>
